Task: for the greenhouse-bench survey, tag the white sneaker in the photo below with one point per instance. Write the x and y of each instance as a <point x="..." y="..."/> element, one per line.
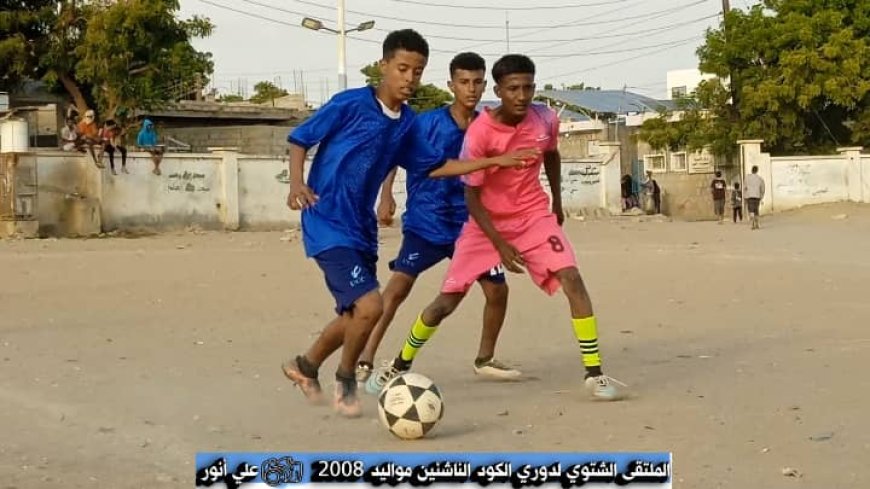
<point x="603" y="388"/>
<point x="363" y="372"/>
<point x="381" y="377"/>
<point x="494" y="369"/>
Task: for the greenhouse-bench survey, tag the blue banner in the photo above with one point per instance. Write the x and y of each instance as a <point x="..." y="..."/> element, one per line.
<point x="417" y="469"/>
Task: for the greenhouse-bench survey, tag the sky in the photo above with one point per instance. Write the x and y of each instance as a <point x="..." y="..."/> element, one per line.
<point x="610" y="44"/>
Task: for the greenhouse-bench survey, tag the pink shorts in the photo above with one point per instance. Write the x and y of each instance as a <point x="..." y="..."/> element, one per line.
<point x="540" y="241"/>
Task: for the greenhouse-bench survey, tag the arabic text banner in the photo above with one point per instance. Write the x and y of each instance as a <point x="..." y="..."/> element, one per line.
<point x="435" y="470"/>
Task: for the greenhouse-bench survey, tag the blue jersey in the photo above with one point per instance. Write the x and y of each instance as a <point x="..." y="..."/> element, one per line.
<point x="358" y="145"/>
<point x="435" y="209"/>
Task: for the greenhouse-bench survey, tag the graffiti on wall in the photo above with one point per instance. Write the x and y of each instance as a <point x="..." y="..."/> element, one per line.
<point x="581" y="184"/>
<point x="797" y="179"/>
<point x="188" y="182"/>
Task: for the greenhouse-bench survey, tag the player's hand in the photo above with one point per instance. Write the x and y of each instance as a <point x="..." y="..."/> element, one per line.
<point x="560" y="214"/>
<point x="518" y="158"/>
<point x="511" y="257"/>
<point x="301" y="197"/>
<point x="386" y="210"/>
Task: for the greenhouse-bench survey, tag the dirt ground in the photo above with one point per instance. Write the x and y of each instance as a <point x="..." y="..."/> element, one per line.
<point x="746" y="353"/>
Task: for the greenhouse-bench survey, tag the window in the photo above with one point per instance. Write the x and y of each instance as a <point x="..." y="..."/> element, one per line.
<point x="679" y="162"/>
<point x="679" y="92"/>
<point x="654" y="163"/>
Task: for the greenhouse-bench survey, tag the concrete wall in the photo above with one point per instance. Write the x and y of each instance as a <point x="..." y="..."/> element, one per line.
<point x="796" y="181"/>
<point x="187" y="192"/>
<point x="686" y="191"/>
<point x="588" y="184"/>
<point x="255" y="139"/>
<point x="799" y="181"/>
<point x="68" y="197"/>
<point x="864" y="176"/>
<point x="228" y="190"/>
<point x="263" y="187"/>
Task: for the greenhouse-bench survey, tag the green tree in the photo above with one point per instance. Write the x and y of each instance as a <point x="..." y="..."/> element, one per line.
<point x="701" y="121"/>
<point x="138" y="55"/>
<point x="426" y="97"/>
<point x="23" y="39"/>
<point x="231" y="97"/>
<point x="266" y="91"/>
<point x="372" y="72"/>
<point x="799" y="77"/>
<point x="548" y="86"/>
<point x="114" y="56"/>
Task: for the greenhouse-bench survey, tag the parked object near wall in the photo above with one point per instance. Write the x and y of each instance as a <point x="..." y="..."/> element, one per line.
<point x="13" y="136"/>
<point x="18" y="182"/>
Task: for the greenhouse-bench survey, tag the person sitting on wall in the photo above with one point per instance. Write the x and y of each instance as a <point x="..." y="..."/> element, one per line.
<point x="69" y="136"/>
<point x="89" y="134"/>
<point x="147" y="141"/>
<point x="112" y="137"/>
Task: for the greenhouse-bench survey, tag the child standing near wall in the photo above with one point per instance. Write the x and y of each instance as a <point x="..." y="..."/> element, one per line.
<point x="737" y="202"/>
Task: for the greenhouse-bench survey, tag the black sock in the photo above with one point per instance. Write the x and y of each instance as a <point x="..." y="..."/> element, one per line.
<point x="593" y="371"/>
<point x="347" y="383"/>
<point x="402" y="364"/>
<point x="480" y="361"/>
<point x="368" y="365"/>
<point x="305" y="367"/>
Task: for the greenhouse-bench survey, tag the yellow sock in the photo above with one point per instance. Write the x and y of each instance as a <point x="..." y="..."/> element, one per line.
<point x="586" y="331"/>
<point x="416" y="339"/>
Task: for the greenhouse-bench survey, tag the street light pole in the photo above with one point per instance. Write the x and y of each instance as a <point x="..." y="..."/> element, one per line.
<point x="342" y="31"/>
<point x="342" y="48"/>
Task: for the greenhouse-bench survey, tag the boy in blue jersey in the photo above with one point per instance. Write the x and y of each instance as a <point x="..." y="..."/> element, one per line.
<point x="434" y="216"/>
<point x="359" y="134"/>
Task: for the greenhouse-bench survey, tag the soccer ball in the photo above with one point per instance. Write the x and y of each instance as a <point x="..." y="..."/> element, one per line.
<point x="410" y="405"/>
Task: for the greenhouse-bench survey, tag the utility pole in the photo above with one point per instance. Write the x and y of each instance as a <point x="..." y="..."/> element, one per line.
<point x="342" y="48"/>
<point x="507" y="30"/>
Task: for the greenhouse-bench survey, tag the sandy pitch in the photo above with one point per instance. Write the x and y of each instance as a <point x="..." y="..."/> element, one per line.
<point x="746" y="351"/>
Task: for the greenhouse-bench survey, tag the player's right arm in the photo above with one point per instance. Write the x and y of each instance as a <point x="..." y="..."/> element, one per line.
<point x="318" y="128"/>
<point x="510" y="256"/>
<point x="387" y="206"/>
<point x="301" y="196"/>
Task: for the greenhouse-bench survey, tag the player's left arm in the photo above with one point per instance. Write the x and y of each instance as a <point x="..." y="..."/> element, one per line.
<point x="553" y="168"/>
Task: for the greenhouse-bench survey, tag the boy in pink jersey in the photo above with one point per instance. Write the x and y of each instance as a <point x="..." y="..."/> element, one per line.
<point x="512" y="222"/>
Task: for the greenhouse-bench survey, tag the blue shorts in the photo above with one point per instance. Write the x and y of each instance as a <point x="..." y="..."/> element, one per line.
<point x="350" y="274"/>
<point x="418" y="255"/>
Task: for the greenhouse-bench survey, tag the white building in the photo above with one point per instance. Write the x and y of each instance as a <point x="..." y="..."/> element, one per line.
<point x="684" y="82"/>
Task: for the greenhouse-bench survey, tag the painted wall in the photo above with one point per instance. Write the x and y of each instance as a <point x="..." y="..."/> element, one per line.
<point x="186" y="193"/>
<point x="796" y="181"/>
<point x="68" y="197"/>
<point x="864" y="172"/>
<point x="263" y="187"/>
<point x="799" y="181"/>
<point x="228" y="190"/>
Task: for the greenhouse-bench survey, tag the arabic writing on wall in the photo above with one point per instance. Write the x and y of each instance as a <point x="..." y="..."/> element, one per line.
<point x="188" y="182"/>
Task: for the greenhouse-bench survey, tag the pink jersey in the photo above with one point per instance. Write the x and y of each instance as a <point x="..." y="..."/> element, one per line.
<point x="511" y="194"/>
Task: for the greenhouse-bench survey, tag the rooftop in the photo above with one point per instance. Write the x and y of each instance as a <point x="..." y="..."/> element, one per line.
<point x="608" y="101"/>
